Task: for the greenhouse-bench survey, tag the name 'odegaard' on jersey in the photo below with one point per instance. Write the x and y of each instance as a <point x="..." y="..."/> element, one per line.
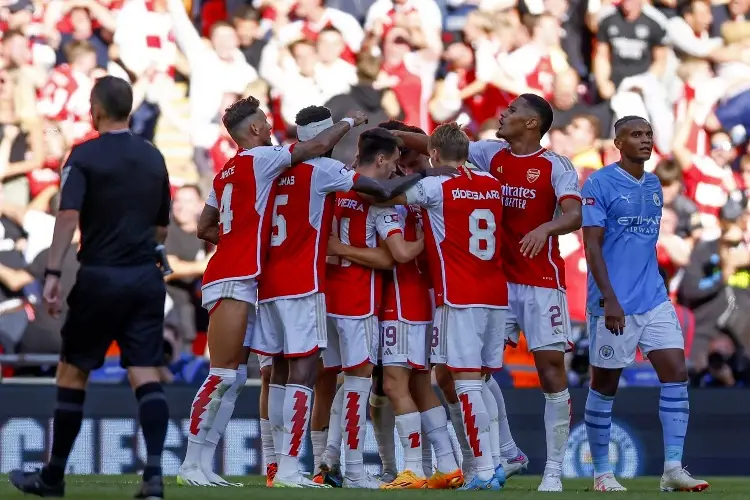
<point x="464" y="194"/>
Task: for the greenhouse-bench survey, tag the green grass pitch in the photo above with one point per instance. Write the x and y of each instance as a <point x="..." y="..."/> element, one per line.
<point x="519" y="487"/>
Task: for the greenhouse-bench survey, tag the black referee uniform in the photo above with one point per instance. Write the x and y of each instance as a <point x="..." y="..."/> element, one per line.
<point x="119" y="184"/>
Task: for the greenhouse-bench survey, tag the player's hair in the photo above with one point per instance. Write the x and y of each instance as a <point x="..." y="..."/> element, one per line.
<point x="374" y="142"/>
<point x="542" y="108"/>
<point x="593" y="121"/>
<point x="76" y="48"/>
<point x="194" y="187"/>
<point x="312" y="114"/>
<point x="115" y="96"/>
<point x="686" y="6"/>
<point x="451" y="142"/>
<point x="625" y="120"/>
<point x="330" y="29"/>
<point x="368" y="66"/>
<point x="12" y="33"/>
<point x="668" y="172"/>
<point x="238" y="112"/>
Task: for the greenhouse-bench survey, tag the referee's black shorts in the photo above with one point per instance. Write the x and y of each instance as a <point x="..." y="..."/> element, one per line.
<point x="125" y="304"/>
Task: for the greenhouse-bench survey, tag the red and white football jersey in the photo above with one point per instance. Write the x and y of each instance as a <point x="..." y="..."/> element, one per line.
<point x="706" y="184"/>
<point x="536" y="68"/>
<point x="462" y="217"/>
<point x="301" y="223"/>
<point x="406" y="292"/>
<point x="65" y="98"/>
<point x="240" y="192"/>
<point x="533" y="187"/>
<point x="354" y="291"/>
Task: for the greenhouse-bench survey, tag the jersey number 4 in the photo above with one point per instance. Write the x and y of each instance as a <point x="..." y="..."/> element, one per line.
<point x="225" y="209"/>
<point x="482" y="233"/>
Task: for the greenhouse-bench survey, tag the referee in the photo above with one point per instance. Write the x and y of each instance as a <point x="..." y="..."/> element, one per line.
<point x="116" y="188"/>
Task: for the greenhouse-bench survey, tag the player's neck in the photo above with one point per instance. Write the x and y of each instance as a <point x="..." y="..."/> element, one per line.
<point x="443" y="163"/>
<point x="105" y="126"/>
<point x="524" y="146"/>
<point x="633" y="168"/>
<point x="247" y="143"/>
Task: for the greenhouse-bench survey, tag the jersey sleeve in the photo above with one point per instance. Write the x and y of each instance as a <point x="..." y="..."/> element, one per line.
<point x="211" y="201"/>
<point x="387" y="221"/>
<point x="270" y="161"/>
<point x="482" y="152"/>
<point x="564" y="179"/>
<point x="594" y="208"/>
<point x="72" y="183"/>
<point x="427" y="193"/>
<point x="331" y="176"/>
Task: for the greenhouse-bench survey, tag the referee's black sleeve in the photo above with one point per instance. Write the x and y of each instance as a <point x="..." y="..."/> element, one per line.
<point x="73" y="185"/>
<point x="162" y="219"/>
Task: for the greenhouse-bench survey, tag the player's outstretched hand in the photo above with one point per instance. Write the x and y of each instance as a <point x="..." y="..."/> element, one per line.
<point x="442" y="170"/>
<point x="534" y="242"/>
<point x="614" y="317"/>
<point x="358" y="117"/>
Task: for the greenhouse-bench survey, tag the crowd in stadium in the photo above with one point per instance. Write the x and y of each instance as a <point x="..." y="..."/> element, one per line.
<point x="684" y="64"/>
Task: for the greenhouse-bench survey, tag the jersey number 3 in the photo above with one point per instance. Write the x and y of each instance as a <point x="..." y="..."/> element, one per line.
<point x="225" y="209"/>
<point x="482" y="233"/>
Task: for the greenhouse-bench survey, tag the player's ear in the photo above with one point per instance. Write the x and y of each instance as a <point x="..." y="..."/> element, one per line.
<point x="532" y="123"/>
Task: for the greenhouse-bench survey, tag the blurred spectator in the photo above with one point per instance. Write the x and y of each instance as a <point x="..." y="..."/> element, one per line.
<point x="187" y="257"/>
<point x="247" y="22"/>
<point x="380" y="105"/>
<point x="630" y="61"/>
<point x="727" y="365"/>
<point x="688" y="218"/>
<point x="583" y="133"/>
<point x="82" y="20"/>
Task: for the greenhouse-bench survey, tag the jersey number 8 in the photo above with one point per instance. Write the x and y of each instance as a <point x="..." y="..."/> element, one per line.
<point x="482" y="233"/>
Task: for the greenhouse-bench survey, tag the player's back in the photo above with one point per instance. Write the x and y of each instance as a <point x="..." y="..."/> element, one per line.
<point x="301" y="222"/>
<point x="241" y="192"/>
<point x="462" y="240"/>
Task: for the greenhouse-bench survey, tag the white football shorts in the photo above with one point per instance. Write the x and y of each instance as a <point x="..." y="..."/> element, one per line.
<point x="657" y="329"/>
<point x="542" y="315"/>
<point x="474" y="337"/>
<point x="358" y="341"/>
<point x="403" y="344"/>
<point x="295" y="327"/>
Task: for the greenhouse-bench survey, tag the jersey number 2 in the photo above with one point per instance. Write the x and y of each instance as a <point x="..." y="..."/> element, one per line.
<point x="279" y="222"/>
<point x="482" y="233"/>
<point x="225" y="209"/>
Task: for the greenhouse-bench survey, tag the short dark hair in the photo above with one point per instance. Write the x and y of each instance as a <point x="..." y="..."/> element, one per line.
<point x="246" y="12"/>
<point x="115" y="96"/>
<point x="394" y="125"/>
<point x="11" y="33"/>
<point x="668" y="172"/>
<point x="194" y="187"/>
<point x="622" y="122"/>
<point x="374" y="142"/>
<point x="312" y="114"/>
<point x="542" y="108"/>
<point x="238" y="111"/>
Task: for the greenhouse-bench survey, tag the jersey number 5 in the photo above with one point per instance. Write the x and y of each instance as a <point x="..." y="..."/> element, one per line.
<point x="341" y="230"/>
<point x="225" y="209"/>
<point x="482" y="233"/>
<point x="279" y="221"/>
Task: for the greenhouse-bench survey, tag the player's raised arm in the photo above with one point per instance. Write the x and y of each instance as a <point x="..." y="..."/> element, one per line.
<point x="594" y="228"/>
<point x="326" y="140"/>
<point x="413" y="140"/>
<point x="393" y="189"/>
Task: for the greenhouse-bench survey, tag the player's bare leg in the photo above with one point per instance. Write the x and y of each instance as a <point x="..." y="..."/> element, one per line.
<point x="301" y="375"/>
<point x="384" y="425"/>
<point x="226" y="378"/>
<point x="266" y="436"/>
<point x="409" y="426"/>
<point x="476" y="425"/>
<point x="447" y="386"/>
<point x="325" y="390"/>
<point x="435" y="427"/>
<point x="550" y="364"/>
<point x="357" y="383"/>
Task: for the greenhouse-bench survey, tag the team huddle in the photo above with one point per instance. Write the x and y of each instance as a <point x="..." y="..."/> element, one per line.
<point x="429" y="252"/>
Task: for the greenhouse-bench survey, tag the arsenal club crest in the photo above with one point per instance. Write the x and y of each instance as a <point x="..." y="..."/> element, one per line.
<point x="532" y="174"/>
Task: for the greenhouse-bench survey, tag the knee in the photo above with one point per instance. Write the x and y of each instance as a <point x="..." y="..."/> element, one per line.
<point x="551" y="368"/>
<point x="395" y="386"/>
<point x="265" y="375"/>
<point x="279" y="371"/>
<point x="444" y="380"/>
